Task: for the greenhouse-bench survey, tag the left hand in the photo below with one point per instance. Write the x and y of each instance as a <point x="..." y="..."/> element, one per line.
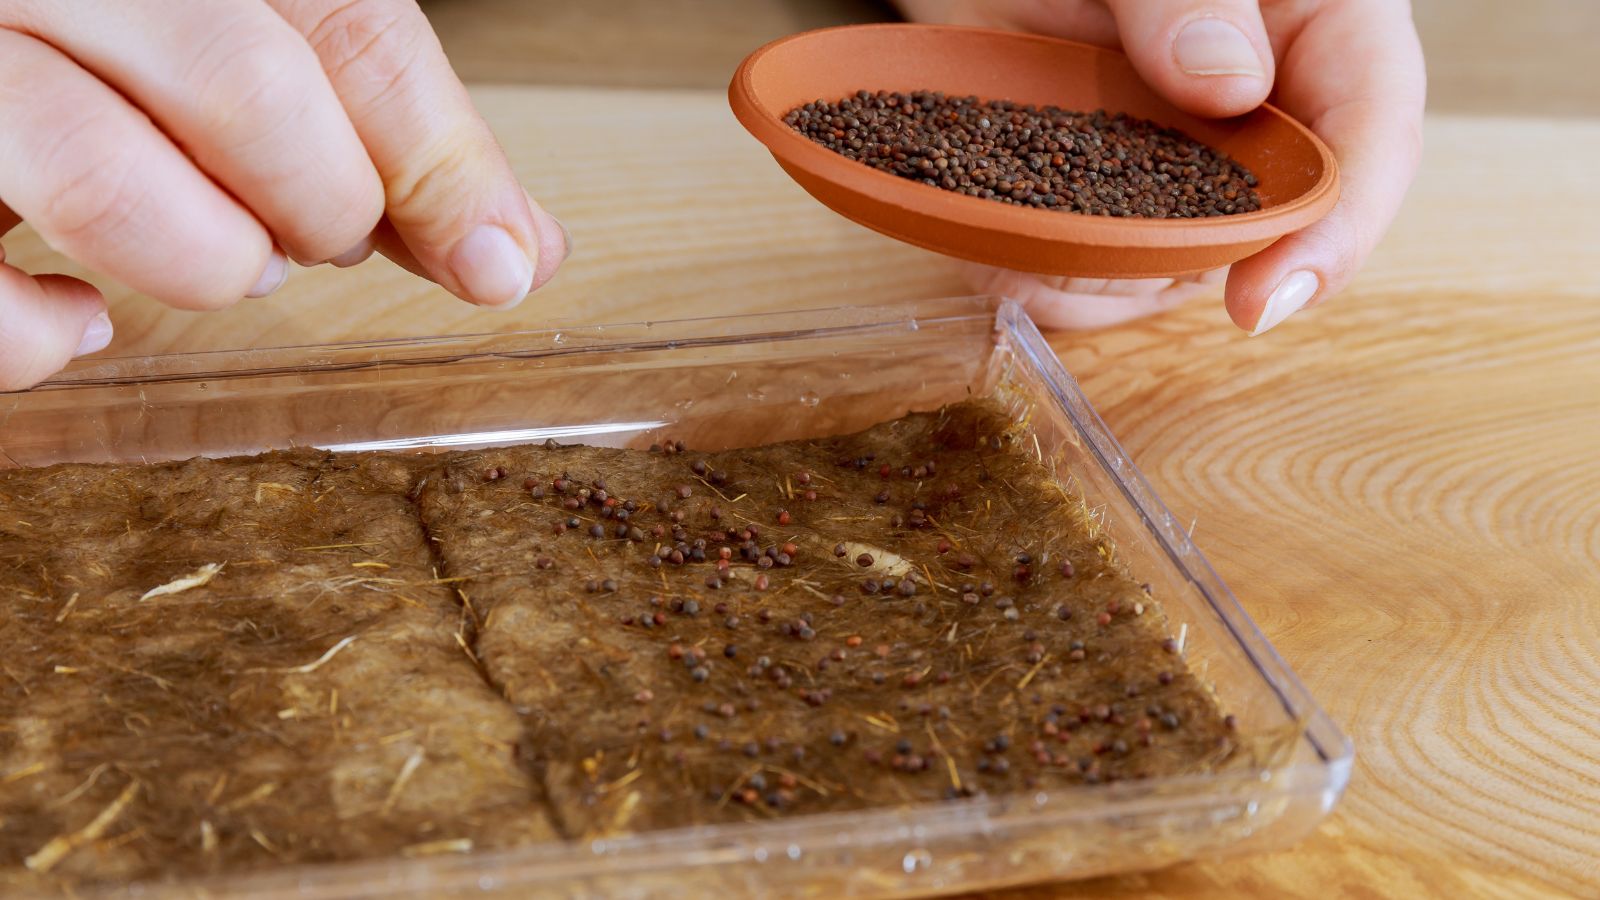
<point x="1351" y="70"/>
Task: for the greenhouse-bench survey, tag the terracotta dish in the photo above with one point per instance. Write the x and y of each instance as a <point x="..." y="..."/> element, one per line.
<point x="1299" y="181"/>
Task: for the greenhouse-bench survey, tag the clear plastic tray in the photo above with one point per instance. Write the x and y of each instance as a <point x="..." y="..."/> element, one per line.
<point x="719" y="382"/>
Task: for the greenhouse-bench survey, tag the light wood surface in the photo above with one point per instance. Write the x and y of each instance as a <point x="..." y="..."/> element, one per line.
<point x="624" y="43"/>
<point x="1403" y="487"/>
<point x="1530" y="57"/>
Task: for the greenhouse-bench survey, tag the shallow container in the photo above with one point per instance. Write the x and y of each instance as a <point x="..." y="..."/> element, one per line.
<point x="721" y="382"/>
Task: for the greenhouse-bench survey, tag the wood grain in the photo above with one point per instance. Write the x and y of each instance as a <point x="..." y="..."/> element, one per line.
<point x="1532" y="57"/>
<point x="1403" y="486"/>
<point x="624" y="43"/>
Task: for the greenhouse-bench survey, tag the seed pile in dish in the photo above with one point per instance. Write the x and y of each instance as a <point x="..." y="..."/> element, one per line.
<point x="1043" y="157"/>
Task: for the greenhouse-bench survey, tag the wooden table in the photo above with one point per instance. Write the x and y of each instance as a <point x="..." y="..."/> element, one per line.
<point x="1402" y="487"/>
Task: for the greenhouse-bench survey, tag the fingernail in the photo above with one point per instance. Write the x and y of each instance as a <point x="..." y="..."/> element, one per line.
<point x="355" y="256"/>
<point x="272" y="277"/>
<point x="1211" y="46"/>
<point x="491" y="268"/>
<point x="96" y="336"/>
<point x="551" y="255"/>
<point x="1292" y="293"/>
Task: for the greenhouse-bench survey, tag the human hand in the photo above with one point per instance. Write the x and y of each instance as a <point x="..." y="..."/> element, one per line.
<point x="187" y="147"/>
<point x="1351" y="70"/>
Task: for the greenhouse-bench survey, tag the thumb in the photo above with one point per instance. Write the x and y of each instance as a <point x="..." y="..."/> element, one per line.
<point x="1207" y="57"/>
<point x="44" y="323"/>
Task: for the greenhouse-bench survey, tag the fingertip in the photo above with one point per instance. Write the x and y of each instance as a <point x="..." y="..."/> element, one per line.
<point x="555" y="244"/>
<point x="1261" y="297"/>
<point x="491" y="268"/>
<point x="96" y="336"/>
<point x="356" y="255"/>
<point x="273" y="275"/>
<point x="1225" y="72"/>
<point x="1208" y="58"/>
<point x="44" y="323"/>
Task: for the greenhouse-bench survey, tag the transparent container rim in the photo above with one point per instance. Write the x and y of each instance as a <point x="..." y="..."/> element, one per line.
<point x="557" y="338"/>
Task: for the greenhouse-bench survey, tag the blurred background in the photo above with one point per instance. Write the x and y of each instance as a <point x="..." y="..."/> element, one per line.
<point x="1509" y="57"/>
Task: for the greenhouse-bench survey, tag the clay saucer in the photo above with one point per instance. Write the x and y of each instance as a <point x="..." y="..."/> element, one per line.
<point x="1299" y="180"/>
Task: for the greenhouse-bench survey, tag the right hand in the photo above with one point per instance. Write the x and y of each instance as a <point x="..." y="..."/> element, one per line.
<point x="189" y="148"/>
<point x="1351" y="70"/>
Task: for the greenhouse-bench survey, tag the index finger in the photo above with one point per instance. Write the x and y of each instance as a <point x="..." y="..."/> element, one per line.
<point x="452" y="197"/>
<point x="1353" y="73"/>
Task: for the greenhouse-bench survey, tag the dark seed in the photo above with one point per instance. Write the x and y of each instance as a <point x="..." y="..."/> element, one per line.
<point x="1106" y="164"/>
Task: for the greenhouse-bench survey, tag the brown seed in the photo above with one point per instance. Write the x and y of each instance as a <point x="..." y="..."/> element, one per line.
<point x="864" y="560"/>
<point x="1043" y="158"/>
<point x="783" y="517"/>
